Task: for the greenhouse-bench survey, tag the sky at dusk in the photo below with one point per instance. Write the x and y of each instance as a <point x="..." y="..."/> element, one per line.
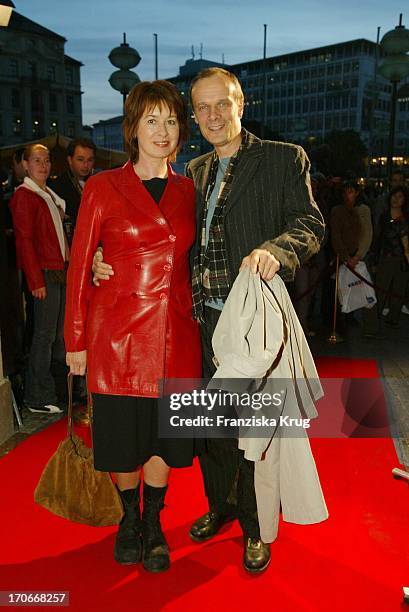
<point x="230" y="27"/>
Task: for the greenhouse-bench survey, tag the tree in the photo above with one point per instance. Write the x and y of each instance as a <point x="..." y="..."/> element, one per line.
<point x="346" y="154"/>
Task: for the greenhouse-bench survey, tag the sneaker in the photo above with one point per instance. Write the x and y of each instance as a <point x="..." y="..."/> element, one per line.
<point x="405" y="309"/>
<point x="47" y="409"/>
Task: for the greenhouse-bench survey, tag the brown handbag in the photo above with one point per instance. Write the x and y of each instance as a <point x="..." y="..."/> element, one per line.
<point x="70" y="486"/>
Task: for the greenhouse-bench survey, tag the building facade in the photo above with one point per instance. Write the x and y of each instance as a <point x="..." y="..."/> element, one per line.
<point x="108" y="133"/>
<point x="303" y="96"/>
<point x="40" y="87"/>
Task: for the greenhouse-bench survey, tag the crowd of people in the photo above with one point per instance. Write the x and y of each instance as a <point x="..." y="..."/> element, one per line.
<point x="364" y="224"/>
<point x="139" y="261"/>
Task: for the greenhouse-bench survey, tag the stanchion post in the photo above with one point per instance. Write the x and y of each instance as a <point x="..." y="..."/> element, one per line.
<point x="335" y="338"/>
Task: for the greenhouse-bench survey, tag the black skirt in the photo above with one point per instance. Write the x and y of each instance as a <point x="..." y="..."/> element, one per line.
<point x="125" y="435"/>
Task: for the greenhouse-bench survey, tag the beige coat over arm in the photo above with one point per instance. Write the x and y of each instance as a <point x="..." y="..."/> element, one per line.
<point x="259" y="336"/>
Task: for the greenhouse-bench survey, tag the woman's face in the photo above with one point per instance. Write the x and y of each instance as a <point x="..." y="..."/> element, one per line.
<point x="397" y="200"/>
<point x="350" y="196"/>
<point x="157" y="133"/>
<point x="38" y="166"/>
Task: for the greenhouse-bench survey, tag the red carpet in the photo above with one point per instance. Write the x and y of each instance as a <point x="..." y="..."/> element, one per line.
<point x="355" y="561"/>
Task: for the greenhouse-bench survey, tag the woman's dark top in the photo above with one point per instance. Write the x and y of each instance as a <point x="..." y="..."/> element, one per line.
<point x="156" y="186"/>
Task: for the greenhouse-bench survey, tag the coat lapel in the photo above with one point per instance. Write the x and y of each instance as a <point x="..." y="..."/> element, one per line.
<point x="244" y="172"/>
<point x="134" y="191"/>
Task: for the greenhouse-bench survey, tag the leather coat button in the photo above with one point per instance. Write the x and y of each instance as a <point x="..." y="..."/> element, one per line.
<point x="138" y="266"/>
<point x="134" y="295"/>
<point x="172" y="238"/>
<point x="167" y="267"/>
<point x="163" y="296"/>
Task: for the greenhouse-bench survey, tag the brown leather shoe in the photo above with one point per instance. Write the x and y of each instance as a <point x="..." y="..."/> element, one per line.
<point x="256" y="555"/>
<point x="209" y="525"/>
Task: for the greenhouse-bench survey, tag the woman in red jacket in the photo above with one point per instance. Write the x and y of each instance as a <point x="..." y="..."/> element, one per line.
<point x="42" y="252"/>
<point x="137" y="329"/>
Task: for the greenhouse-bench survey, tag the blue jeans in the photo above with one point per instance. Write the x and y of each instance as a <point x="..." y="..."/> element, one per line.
<point x="47" y="345"/>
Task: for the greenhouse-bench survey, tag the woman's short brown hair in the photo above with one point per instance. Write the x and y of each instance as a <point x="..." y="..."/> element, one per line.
<point x="145" y="96"/>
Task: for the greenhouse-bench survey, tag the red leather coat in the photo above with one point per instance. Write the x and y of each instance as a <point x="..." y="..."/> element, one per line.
<point x="138" y="326"/>
<point x="37" y="243"/>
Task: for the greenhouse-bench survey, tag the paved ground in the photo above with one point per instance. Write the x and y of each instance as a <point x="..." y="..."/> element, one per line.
<point x="391" y="350"/>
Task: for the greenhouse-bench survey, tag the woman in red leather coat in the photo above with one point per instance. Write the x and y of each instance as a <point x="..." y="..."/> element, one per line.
<point x="137" y="329"/>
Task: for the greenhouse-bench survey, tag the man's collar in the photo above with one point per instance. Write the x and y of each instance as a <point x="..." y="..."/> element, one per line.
<point x="248" y="140"/>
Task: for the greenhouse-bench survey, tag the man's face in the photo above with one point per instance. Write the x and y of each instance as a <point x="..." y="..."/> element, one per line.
<point x="82" y="162"/>
<point x="218" y="113"/>
<point x="397" y="180"/>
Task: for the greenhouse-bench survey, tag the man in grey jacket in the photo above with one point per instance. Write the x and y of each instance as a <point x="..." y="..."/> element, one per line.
<point x="254" y="208"/>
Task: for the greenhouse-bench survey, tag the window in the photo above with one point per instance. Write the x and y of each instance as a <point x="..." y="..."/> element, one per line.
<point x="51" y="73"/>
<point x="15" y="98"/>
<point x="70" y="104"/>
<point x="17" y="125"/>
<point x="1" y="125"/>
<point x="36" y="127"/>
<point x="13" y="68"/>
<point x="71" y="129"/>
<point x="32" y="69"/>
<point x="35" y="100"/>
<point x="53" y="127"/>
<point x="69" y="75"/>
<point x="52" y="102"/>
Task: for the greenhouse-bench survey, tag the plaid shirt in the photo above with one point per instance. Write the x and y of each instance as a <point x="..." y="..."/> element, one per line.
<point x="210" y="278"/>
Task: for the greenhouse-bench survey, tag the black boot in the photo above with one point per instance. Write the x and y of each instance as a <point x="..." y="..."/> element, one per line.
<point x="155" y="549"/>
<point x="128" y="543"/>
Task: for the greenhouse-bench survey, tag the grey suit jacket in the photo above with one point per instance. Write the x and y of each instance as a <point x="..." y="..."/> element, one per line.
<point x="270" y="205"/>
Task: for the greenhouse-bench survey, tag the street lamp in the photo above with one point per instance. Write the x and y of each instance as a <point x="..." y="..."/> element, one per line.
<point x="124" y="57"/>
<point x="394" y="67"/>
<point x="6" y="8"/>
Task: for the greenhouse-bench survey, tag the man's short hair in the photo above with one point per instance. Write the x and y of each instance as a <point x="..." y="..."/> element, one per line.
<point x="85" y="143"/>
<point x="216" y="71"/>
